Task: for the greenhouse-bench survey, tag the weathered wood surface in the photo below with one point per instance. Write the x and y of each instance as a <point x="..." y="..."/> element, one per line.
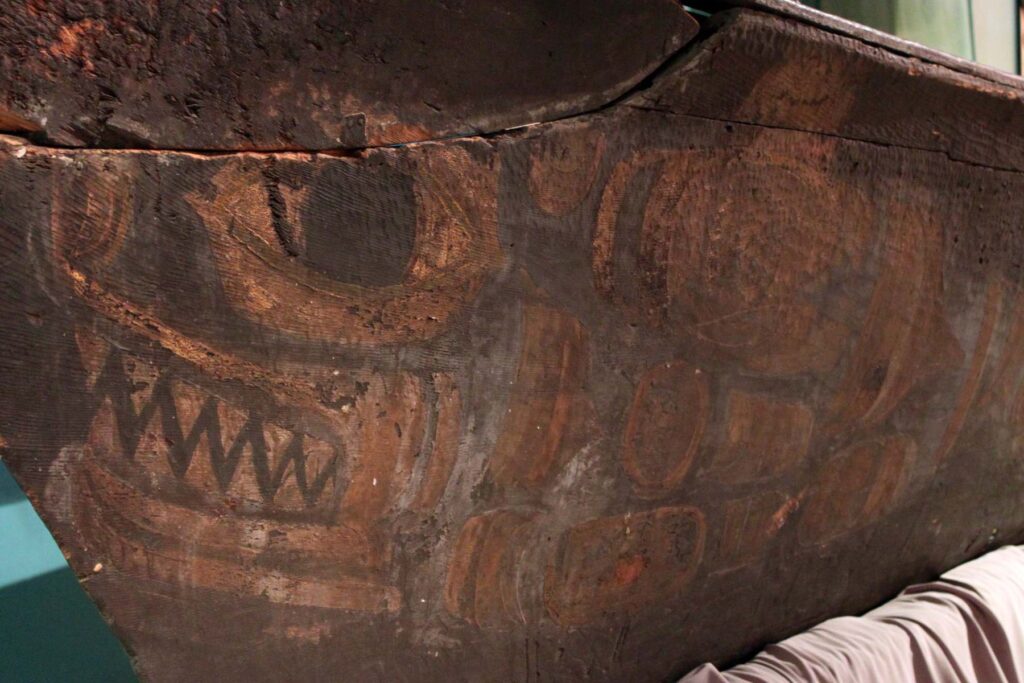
<point x="770" y="71"/>
<point x="317" y="74"/>
<point x="804" y="13"/>
<point x="595" y="400"/>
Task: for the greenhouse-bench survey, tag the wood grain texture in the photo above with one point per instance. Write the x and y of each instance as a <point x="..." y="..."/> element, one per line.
<point x="265" y="74"/>
<point x="595" y="400"/>
<point x="795" y="10"/>
<point x="772" y="71"/>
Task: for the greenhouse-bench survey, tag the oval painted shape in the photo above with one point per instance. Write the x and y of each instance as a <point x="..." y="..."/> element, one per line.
<point x="665" y="425"/>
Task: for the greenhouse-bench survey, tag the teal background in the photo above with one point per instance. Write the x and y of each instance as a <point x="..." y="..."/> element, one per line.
<point x="49" y="628"/>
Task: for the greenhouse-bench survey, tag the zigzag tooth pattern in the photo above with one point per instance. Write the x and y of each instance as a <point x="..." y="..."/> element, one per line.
<point x="170" y="427"/>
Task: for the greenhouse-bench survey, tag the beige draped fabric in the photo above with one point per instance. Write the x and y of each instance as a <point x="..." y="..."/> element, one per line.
<point x="967" y="627"/>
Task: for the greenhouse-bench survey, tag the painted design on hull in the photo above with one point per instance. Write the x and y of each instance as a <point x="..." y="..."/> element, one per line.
<point x="664" y="428"/>
<point x="624" y="563"/>
<point x="745" y="284"/>
<point x="237" y="481"/>
<point x="438" y="406"/>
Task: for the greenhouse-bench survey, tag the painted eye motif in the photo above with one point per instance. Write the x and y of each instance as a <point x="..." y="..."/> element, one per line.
<point x="232" y="462"/>
<point x="351" y="223"/>
<point x="369" y="251"/>
<point x="285" y="268"/>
